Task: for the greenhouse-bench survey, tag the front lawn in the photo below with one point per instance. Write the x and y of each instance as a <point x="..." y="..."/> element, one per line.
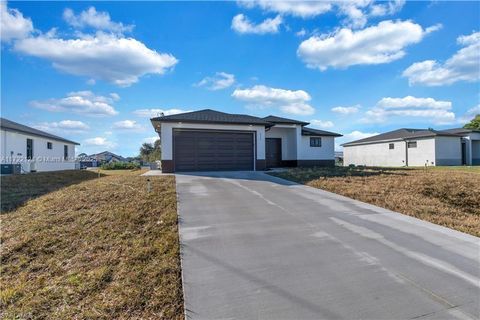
<point x="448" y="197"/>
<point x="96" y="248"/>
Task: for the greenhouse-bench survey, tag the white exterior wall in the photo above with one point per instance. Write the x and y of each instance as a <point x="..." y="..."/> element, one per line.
<point x="44" y="159"/>
<point x="430" y="151"/>
<point x="166" y="135"/>
<point x="472" y="144"/>
<point x="448" y="151"/>
<point x="289" y="140"/>
<point x="325" y="152"/>
<point x="375" y="155"/>
<point x="423" y="153"/>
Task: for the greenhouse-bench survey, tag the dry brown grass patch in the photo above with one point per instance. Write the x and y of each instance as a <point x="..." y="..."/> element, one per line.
<point x="102" y="248"/>
<point x="446" y="197"/>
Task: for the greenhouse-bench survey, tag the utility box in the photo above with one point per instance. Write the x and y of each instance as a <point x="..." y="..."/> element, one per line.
<point x="17" y="168"/>
<point x="11" y="168"/>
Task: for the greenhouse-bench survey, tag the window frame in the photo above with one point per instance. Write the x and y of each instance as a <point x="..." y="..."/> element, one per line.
<point x="49" y="145"/>
<point x="391" y="146"/>
<point x="315" y="142"/>
<point x="65" y="152"/>
<point x="29" y="147"/>
<point x="411" y="144"/>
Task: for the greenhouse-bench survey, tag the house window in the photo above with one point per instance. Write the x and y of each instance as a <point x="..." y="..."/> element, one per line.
<point x="391" y="146"/>
<point x="29" y="149"/>
<point x="315" y="142"/>
<point x="49" y="145"/>
<point x="65" y="152"/>
<point x="411" y="144"/>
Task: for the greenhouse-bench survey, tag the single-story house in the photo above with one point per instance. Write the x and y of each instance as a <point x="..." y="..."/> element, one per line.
<point x="98" y="159"/>
<point x="29" y="150"/>
<point x="415" y="147"/>
<point x="470" y="145"/>
<point x="211" y="140"/>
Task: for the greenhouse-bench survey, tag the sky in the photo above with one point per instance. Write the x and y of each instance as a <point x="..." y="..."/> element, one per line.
<point x="96" y="72"/>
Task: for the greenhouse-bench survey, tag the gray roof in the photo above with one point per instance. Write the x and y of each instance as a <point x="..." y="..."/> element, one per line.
<point x="17" y="127"/>
<point x="401" y="134"/>
<point x="460" y="131"/>
<point x="212" y="116"/>
<point x="315" y="132"/>
<point x="106" y="155"/>
<point x="275" y="119"/>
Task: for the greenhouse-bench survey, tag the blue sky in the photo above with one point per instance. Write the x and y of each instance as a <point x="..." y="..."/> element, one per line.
<point x="96" y="72"/>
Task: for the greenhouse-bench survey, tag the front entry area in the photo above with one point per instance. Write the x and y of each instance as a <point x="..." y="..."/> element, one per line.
<point x="208" y="150"/>
<point x="273" y="152"/>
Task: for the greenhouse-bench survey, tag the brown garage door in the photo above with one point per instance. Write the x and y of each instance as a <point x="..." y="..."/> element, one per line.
<point x="212" y="150"/>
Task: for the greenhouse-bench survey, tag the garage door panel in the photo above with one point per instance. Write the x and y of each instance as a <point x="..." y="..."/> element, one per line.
<point x="210" y="150"/>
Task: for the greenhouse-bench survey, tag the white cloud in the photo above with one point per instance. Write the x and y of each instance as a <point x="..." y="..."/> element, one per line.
<point x="322" y="124"/>
<point x="220" y="80"/>
<point x="303" y="9"/>
<point x="413" y="102"/>
<point x="93" y="19"/>
<point x="410" y="107"/>
<point x="386" y="8"/>
<point x="115" y="96"/>
<point x="352" y="136"/>
<point x="288" y="101"/>
<point x="356" y="12"/>
<point x="267" y="95"/>
<point x="469" y="115"/>
<point x="346" y="110"/>
<point x="464" y="65"/>
<point x="115" y="59"/>
<point x="128" y="125"/>
<point x="383" y="43"/>
<point x="157" y="112"/>
<point x="150" y="139"/>
<point x="299" y="109"/>
<point x="301" y="33"/>
<point x="357" y="135"/>
<point x="12" y="24"/>
<point x="241" y="24"/>
<point x="81" y="102"/>
<point x="100" y="142"/>
<point x="63" y="126"/>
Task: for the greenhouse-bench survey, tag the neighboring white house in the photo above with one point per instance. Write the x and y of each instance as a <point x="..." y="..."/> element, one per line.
<point x="33" y="149"/>
<point x="211" y="140"/>
<point x="470" y="145"/>
<point x="415" y="147"/>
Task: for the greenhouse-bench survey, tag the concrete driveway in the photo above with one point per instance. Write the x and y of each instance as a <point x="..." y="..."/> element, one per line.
<point x="258" y="247"/>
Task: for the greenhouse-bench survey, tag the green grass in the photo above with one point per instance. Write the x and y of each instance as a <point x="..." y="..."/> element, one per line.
<point x="18" y="189"/>
<point x="98" y="248"/>
<point x="473" y="169"/>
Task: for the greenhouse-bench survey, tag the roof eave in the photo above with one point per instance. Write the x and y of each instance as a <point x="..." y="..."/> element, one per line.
<point x="40" y="135"/>
<point x="160" y="120"/>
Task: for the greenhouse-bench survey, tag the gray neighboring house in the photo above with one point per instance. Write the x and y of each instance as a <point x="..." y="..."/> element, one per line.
<point x="415" y="147"/>
<point x="97" y="159"/>
<point x="208" y="140"/>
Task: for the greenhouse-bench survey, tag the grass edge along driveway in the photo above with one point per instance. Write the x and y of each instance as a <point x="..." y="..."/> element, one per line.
<point x="97" y="248"/>
<point x="441" y="195"/>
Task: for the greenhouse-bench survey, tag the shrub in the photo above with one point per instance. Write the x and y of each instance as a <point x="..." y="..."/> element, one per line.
<point x="120" y="166"/>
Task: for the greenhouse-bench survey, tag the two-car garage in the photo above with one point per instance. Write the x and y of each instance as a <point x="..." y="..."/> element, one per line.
<point x="210" y="150"/>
